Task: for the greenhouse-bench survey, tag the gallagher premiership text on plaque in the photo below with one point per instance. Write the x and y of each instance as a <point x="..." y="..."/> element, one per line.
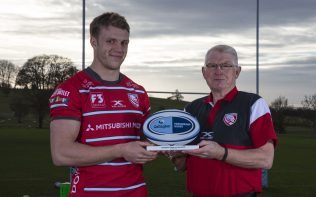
<point x="171" y="129"/>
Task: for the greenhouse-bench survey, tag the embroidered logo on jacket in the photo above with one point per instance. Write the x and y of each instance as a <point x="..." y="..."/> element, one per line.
<point x="133" y="98"/>
<point x="230" y="119"/>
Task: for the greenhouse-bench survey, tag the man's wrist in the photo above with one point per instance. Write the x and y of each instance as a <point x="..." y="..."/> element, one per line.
<point x="225" y="154"/>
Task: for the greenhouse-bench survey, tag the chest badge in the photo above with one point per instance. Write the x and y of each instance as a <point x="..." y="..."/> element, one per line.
<point x="133" y="98"/>
<point x="97" y="100"/>
<point x="230" y="119"/>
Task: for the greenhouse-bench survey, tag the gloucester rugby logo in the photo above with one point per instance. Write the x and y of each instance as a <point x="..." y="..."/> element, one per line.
<point x="133" y="98"/>
<point x="230" y="119"/>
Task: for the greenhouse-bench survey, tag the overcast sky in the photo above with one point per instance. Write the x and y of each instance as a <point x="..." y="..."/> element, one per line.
<point x="169" y="39"/>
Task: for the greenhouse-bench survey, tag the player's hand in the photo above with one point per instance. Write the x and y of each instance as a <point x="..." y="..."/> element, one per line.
<point x="135" y="152"/>
<point x="208" y="149"/>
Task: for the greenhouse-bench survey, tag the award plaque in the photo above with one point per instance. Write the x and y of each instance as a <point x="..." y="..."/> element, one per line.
<point x="171" y="129"/>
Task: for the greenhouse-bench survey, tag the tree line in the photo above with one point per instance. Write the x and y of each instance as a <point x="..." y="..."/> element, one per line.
<point x="35" y="81"/>
<point x="283" y="114"/>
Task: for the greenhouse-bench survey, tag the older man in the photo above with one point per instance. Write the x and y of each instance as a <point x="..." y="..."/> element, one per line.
<point x="237" y="137"/>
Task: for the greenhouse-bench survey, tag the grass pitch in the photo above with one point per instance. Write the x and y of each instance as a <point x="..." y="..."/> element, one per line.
<point x="26" y="167"/>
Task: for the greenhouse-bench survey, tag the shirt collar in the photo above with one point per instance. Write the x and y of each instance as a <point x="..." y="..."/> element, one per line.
<point x="97" y="77"/>
<point x="228" y="97"/>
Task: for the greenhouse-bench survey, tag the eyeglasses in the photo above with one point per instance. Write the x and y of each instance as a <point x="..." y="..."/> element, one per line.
<point x="224" y="66"/>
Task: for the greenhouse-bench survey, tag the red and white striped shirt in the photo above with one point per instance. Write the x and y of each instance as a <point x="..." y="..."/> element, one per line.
<point x="110" y="113"/>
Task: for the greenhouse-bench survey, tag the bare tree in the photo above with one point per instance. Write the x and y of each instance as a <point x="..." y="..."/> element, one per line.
<point x="310" y="102"/>
<point x="279" y="103"/>
<point x="176" y="96"/>
<point x="41" y="74"/>
<point x="278" y="106"/>
<point x="8" y="73"/>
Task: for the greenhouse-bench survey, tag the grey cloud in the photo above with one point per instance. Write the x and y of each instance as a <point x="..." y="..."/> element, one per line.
<point x="309" y="62"/>
<point x="181" y="60"/>
<point x="167" y="69"/>
<point x="206" y="17"/>
<point x="66" y="18"/>
<point x="150" y="18"/>
<point x="283" y="12"/>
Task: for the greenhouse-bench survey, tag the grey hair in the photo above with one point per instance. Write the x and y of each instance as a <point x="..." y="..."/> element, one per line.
<point x="223" y="49"/>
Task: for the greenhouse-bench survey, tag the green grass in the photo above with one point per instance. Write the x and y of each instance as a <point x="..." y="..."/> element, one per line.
<point x="26" y="167"/>
<point x="162" y="180"/>
<point x="4" y="106"/>
<point x="161" y="104"/>
<point x="294" y="169"/>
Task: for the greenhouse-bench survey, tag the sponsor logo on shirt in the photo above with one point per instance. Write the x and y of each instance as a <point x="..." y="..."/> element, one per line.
<point x="115" y="125"/>
<point x="207" y="135"/>
<point x="87" y="84"/>
<point x="133" y="85"/>
<point x="133" y="98"/>
<point x="59" y="99"/>
<point x="89" y="128"/>
<point x="97" y="99"/>
<point x="118" y="103"/>
<point x="230" y="119"/>
<point x="61" y="92"/>
<point x="75" y="181"/>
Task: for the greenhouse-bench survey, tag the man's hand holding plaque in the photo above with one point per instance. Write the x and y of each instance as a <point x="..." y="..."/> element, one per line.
<point x="171" y="130"/>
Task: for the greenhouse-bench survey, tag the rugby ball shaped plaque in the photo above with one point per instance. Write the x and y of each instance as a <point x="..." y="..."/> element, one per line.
<point x="171" y="129"/>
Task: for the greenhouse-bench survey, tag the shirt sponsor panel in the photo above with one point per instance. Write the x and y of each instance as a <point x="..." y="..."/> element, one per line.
<point x="59" y="98"/>
<point x="115" y="125"/>
<point x="61" y="92"/>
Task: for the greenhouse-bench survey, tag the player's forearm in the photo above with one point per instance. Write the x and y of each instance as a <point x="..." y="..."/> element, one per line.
<point x="252" y="158"/>
<point x="78" y="154"/>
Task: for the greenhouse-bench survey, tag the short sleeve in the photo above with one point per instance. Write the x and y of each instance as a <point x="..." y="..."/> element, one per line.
<point x="65" y="102"/>
<point x="261" y="124"/>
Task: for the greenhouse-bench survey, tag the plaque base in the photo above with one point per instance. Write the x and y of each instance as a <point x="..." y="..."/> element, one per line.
<point x="172" y="148"/>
